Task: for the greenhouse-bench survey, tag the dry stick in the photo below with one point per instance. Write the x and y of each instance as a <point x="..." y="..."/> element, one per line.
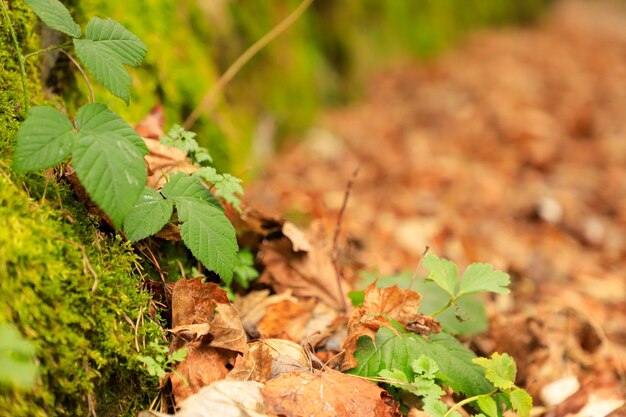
<point x="335" y="250"/>
<point x="82" y="72"/>
<point x="208" y="101"/>
<point x="417" y="268"/>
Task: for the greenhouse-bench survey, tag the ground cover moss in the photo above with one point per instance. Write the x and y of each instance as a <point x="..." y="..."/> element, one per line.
<point x="85" y="341"/>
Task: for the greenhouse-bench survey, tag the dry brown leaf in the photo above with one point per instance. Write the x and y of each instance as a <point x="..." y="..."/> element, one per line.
<point x="269" y="358"/>
<point x="252" y="307"/>
<point x="286" y="320"/>
<point x="379" y="304"/>
<point x="326" y="394"/>
<point x="221" y="399"/>
<point x="309" y="274"/>
<point x="202" y="366"/>
<point x="298" y="239"/>
<point x="193" y="301"/>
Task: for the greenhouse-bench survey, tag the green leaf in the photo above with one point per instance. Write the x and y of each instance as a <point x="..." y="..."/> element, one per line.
<point x="107" y="48"/>
<point x="483" y="278"/>
<point x="112" y="171"/>
<point x="399" y="351"/>
<point x="97" y="118"/>
<point x="16" y="359"/>
<point x="488" y="405"/>
<point x="152" y="366"/>
<point x="225" y="186"/>
<point x="425" y="366"/>
<point x="522" y="402"/>
<point x="150" y="213"/>
<point x="54" y="14"/>
<point x="185" y="140"/>
<point x="43" y="140"/>
<point x="179" y="355"/>
<point x="437" y="408"/>
<point x="209" y="235"/>
<point x="443" y="272"/>
<point x="501" y="370"/>
<point x="244" y="272"/>
<point x="104" y="65"/>
<point x="393" y="374"/>
<point x="126" y="47"/>
<point x="183" y="185"/>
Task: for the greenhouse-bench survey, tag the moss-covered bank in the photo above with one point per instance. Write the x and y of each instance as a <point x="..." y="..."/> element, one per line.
<point x="85" y="340"/>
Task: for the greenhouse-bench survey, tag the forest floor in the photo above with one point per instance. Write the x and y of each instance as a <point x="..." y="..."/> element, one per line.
<point x="509" y="150"/>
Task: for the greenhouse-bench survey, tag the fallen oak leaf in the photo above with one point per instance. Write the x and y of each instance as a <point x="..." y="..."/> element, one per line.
<point x="326" y="394"/>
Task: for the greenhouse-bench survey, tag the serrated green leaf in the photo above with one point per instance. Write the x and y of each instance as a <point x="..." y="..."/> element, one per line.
<point x="152" y="366"/>
<point x="425" y="366"/>
<point x="437" y="408"/>
<point x="522" y="402"/>
<point x="150" y="213"/>
<point x="125" y="46"/>
<point x="244" y="272"/>
<point x="43" y="140"/>
<point x="16" y="358"/>
<point x="501" y="369"/>
<point x="225" y="186"/>
<point x="54" y="14"/>
<point x="443" y="272"/>
<point x="393" y="374"/>
<point x="399" y="351"/>
<point x="488" y="406"/>
<point x="184" y="185"/>
<point x="98" y="118"/>
<point x="104" y="65"/>
<point x="179" y="355"/>
<point x="112" y="171"/>
<point x="480" y="277"/>
<point x="209" y="235"/>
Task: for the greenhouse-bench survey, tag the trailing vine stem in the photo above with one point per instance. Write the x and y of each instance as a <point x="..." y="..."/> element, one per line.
<point x="83" y="73"/>
<point x="45" y="50"/>
<point x="18" y="50"/>
<point x="466" y="401"/>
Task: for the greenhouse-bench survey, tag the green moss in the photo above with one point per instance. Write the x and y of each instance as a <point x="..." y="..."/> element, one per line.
<point x="85" y="345"/>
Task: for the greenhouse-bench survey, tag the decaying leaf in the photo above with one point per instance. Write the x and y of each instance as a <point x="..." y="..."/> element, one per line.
<point x="252" y="306"/>
<point x="221" y="399"/>
<point x="306" y="274"/>
<point x="326" y="394"/>
<point x="269" y="358"/>
<point x="209" y="326"/>
<point x="379" y="306"/>
<point x="286" y="320"/>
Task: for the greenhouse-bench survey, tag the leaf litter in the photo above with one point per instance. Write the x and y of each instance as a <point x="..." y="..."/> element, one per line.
<point x="515" y="160"/>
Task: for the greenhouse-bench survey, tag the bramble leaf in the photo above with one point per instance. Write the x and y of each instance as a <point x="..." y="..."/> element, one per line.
<point x="16" y="358"/>
<point x="185" y="140"/>
<point x="399" y="351"/>
<point x="150" y="213"/>
<point x="107" y="48"/>
<point x="522" y="402"/>
<point x="209" y="235"/>
<point x="501" y="369"/>
<point x="97" y="118"/>
<point x="425" y="366"/>
<point x="488" y="406"/>
<point x="54" y="14"/>
<point x="112" y="170"/>
<point x="179" y="355"/>
<point x="437" y="408"/>
<point x="479" y="277"/>
<point x="43" y="140"/>
<point x="183" y="185"/>
<point x="443" y="272"/>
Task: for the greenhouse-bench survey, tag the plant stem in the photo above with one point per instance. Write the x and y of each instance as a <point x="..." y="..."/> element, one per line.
<point x="466" y="401"/>
<point x="444" y="308"/>
<point x="20" y="58"/>
<point x="209" y="99"/>
<point x="43" y="51"/>
<point x="82" y="72"/>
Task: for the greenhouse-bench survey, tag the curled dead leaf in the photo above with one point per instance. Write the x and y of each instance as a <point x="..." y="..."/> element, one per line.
<point x="269" y="358"/>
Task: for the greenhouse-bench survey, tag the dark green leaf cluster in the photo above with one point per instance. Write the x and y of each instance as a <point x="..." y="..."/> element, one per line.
<point x="107" y="154"/>
<point x="105" y="49"/>
<point x="204" y="227"/>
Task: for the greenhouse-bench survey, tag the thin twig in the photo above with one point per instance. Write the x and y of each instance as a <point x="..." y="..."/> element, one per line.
<point x="208" y="101"/>
<point x="335" y="249"/>
<point x="82" y="72"/>
<point x="136" y="328"/>
<point x="417" y="268"/>
<point x="49" y="49"/>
